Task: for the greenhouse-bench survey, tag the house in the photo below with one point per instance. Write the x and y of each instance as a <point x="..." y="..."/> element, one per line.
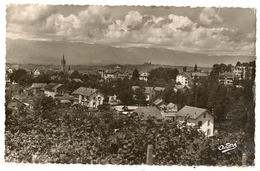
<point x="155" y="93"/>
<point x="148" y="112"/>
<point x="150" y="92"/>
<point x="36" y="88"/>
<point x="169" y="111"/>
<point x="65" y="101"/>
<point x="89" y="97"/>
<point x="116" y="73"/>
<point x="147" y="91"/>
<point x="203" y="118"/>
<point x="184" y="78"/>
<point x="171" y="108"/>
<point x="124" y="109"/>
<point x="158" y="103"/>
<point x="55" y="89"/>
<point x="36" y="72"/>
<point x="144" y="76"/>
<point x="112" y="99"/>
<point x="112" y="75"/>
<point x="101" y="72"/>
<point x="91" y="74"/>
<point x="198" y="77"/>
<point x="226" y="78"/>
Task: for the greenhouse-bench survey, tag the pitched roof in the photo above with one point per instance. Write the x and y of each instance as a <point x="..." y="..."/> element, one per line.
<point x="157" y="102"/>
<point x="135" y="87"/>
<point x="226" y="74"/>
<point x="145" y="112"/>
<point x="199" y="74"/>
<point x="77" y="80"/>
<point x="52" y="86"/>
<point x="36" y="86"/>
<point x="192" y="112"/>
<point x="113" y="71"/>
<point x="171" y="105"/>
<point x="180" y="86"/>
<point x="186" y="74"/>
<point x="84" y="91"/>
<point x="159" y="88"/>
<point x="148" y="90"/>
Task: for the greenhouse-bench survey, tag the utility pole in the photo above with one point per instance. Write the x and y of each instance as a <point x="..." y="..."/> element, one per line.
<point x="196" y="95"/>
<point x="196" y="84"/>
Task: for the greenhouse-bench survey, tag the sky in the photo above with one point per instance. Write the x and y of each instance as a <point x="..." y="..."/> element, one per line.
<point x="214" y="31"/>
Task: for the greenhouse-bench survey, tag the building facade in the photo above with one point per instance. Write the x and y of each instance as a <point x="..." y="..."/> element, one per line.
<point x="200" y="117"/>
<point x="89" y="97"/>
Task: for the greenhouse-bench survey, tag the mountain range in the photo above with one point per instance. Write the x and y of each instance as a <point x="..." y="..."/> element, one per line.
<point x="51" y="52"/>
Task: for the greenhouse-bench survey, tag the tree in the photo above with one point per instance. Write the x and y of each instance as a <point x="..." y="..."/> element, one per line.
<point x="140" y="96"/>
<point x="166" y="74"/>
<point x="217" y="101"/>
<point x="168" y="93"/>
<point x="20" y="76"/>
<point x="126" y="96"/>
<point x="42" y="78"/>
<point x="135" y="75"/>
<point x="45" y="106"/>
<point x="73" y="85"/>
<point x="238" y="63"/>
<point x="75" y="74"/>
<point x="61" y="74"/>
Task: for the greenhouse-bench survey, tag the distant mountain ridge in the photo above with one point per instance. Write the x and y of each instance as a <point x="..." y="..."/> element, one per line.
<point x="51" y="52"/>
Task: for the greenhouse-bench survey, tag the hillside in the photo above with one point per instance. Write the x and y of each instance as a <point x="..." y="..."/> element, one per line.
<point x="45" y="52"/>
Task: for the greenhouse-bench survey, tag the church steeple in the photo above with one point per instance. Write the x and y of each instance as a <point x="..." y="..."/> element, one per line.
<point x="63" y="64"/>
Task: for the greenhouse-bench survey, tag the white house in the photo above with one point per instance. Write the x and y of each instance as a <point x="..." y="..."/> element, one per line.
<point x="144" y="76"/>
<point x="89" y="97"/>
<point x="203" y="118"/>
<point x="183" y="79"/>
<point x="36" y="72"/>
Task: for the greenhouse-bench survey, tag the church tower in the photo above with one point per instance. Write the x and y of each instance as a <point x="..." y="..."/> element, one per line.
<point x="63" y="64"/>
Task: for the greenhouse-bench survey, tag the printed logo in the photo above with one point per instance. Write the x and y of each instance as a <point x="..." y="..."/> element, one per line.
<point x="227" y="147"/>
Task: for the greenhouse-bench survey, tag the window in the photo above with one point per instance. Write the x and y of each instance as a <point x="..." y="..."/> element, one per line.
<point x="204" y="115"/>
<point x="208" y="122"/>
<point x="208" y="132"/>
<point x="94" y="98"/>
<point x="200" y="124"/>
<point x="94" y="104"/>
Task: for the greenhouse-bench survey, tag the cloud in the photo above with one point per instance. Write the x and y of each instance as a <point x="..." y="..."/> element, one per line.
<point x="95" y="24"/>
<point x="210" y="16"/>
<point x="29" y="14"/>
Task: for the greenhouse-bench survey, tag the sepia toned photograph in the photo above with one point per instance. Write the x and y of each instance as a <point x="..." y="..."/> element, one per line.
<point x="130" y="85"/>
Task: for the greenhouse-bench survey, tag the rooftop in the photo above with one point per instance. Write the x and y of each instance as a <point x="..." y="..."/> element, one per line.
<point x="84" y="91"/>
<point x="146" y="112"/>
<point x="191" y="112"/>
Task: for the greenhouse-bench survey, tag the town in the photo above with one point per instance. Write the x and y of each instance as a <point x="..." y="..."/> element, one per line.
<point x="213" y="101"/>
<point x="130" y="85"/>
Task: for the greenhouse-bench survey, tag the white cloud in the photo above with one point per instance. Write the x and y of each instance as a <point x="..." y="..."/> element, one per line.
<point x="133" y="18"/>
<point x="210" y="16"/>
<point x="95" y="25"/>
<point x="31" y="14"/>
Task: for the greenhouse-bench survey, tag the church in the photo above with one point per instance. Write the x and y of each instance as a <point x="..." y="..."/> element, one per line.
<point x="63" y="65"/>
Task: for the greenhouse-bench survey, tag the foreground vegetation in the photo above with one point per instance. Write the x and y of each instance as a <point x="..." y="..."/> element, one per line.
<point x="104" y="139"/>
